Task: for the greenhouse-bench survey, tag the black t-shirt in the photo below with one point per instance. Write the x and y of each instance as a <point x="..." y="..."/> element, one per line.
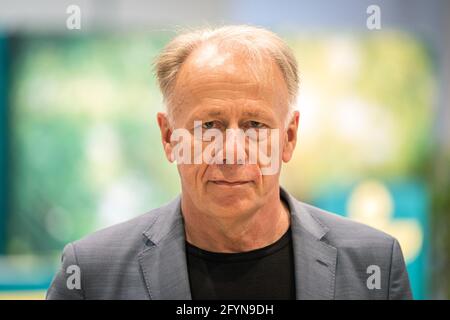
<point x="265" y="273"/>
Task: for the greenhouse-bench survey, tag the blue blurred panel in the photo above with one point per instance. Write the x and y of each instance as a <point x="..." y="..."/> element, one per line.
<point x="407" y="211"/>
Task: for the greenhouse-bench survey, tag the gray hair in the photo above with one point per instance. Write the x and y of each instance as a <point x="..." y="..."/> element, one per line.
<point x="257" y="41"/>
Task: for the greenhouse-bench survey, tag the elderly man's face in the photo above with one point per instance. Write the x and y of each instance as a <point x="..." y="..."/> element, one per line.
<point x="219" y="89"/>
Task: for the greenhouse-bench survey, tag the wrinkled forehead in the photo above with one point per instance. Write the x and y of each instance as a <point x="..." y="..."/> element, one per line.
<point x="225" y="72"/>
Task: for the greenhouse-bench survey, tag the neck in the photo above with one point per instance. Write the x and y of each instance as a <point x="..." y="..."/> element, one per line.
<point x="259" y="228"/>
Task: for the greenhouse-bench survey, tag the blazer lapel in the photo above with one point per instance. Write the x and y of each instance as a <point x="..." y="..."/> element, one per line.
<point x="314" y="259"/>
<point x="163" y="262"/>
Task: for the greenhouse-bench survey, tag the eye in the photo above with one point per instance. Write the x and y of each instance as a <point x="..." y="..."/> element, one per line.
<point x="256" y="124"/>
<point x="208" y="125"/>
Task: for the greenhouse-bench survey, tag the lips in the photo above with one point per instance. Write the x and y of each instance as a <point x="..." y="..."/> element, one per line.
<point x="230" y="183"/>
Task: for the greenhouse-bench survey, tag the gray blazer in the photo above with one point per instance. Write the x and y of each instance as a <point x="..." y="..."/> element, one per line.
<point x="144" y="258"/>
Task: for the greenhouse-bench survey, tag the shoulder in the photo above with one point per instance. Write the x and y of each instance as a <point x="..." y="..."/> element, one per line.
<point x="126" y="237"/>
<point x="105" y="260"/>
<point x="343" y="232"/>
<point x="119" y="234"/>
<point x="360" y="247"/>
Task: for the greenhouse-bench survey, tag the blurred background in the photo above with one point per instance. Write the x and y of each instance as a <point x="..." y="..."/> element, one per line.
<point x="79" y="143"/>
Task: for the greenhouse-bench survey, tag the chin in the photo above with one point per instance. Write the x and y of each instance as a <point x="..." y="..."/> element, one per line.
<point x="230" y="204"/>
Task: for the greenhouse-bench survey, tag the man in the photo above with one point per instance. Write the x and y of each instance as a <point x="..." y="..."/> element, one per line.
<point x="233" y="233"/>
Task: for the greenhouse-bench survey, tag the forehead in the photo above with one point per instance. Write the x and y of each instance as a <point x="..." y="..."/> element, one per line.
<point x="219" y="75"/>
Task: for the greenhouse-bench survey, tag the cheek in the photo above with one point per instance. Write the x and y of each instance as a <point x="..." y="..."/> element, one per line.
<point x="254" y="172"/>
<point x="283" y="142"/>
<point x="187" y="174"/>
<point x="270" y="154"/>
<point x="268" y="182"/>
<point x="192" y="174"/>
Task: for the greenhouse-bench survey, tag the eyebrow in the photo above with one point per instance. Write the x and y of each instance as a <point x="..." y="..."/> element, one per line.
<point x="210" y="113"/>
<point x="216" y="113"/>
<point x="247" y="113"/>
<point x="254" y="113"/>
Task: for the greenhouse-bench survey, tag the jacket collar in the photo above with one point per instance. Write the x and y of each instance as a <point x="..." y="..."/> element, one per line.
<point x="314" y="259"/>
<point x="164" y="267"/>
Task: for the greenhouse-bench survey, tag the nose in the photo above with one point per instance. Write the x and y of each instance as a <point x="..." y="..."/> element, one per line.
<point x="234" y="145"/>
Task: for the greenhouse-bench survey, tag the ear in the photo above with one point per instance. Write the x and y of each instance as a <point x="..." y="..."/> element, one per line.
<point x="166" y="133"/>
<point x="290" y="139"/>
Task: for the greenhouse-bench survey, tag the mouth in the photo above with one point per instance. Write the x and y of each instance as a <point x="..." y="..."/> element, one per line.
<point x="230" y="183"/>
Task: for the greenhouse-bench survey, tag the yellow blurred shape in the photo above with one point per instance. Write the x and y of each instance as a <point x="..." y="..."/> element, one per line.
<point x="371" y="203"/>
<point x="23" y="295"/>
